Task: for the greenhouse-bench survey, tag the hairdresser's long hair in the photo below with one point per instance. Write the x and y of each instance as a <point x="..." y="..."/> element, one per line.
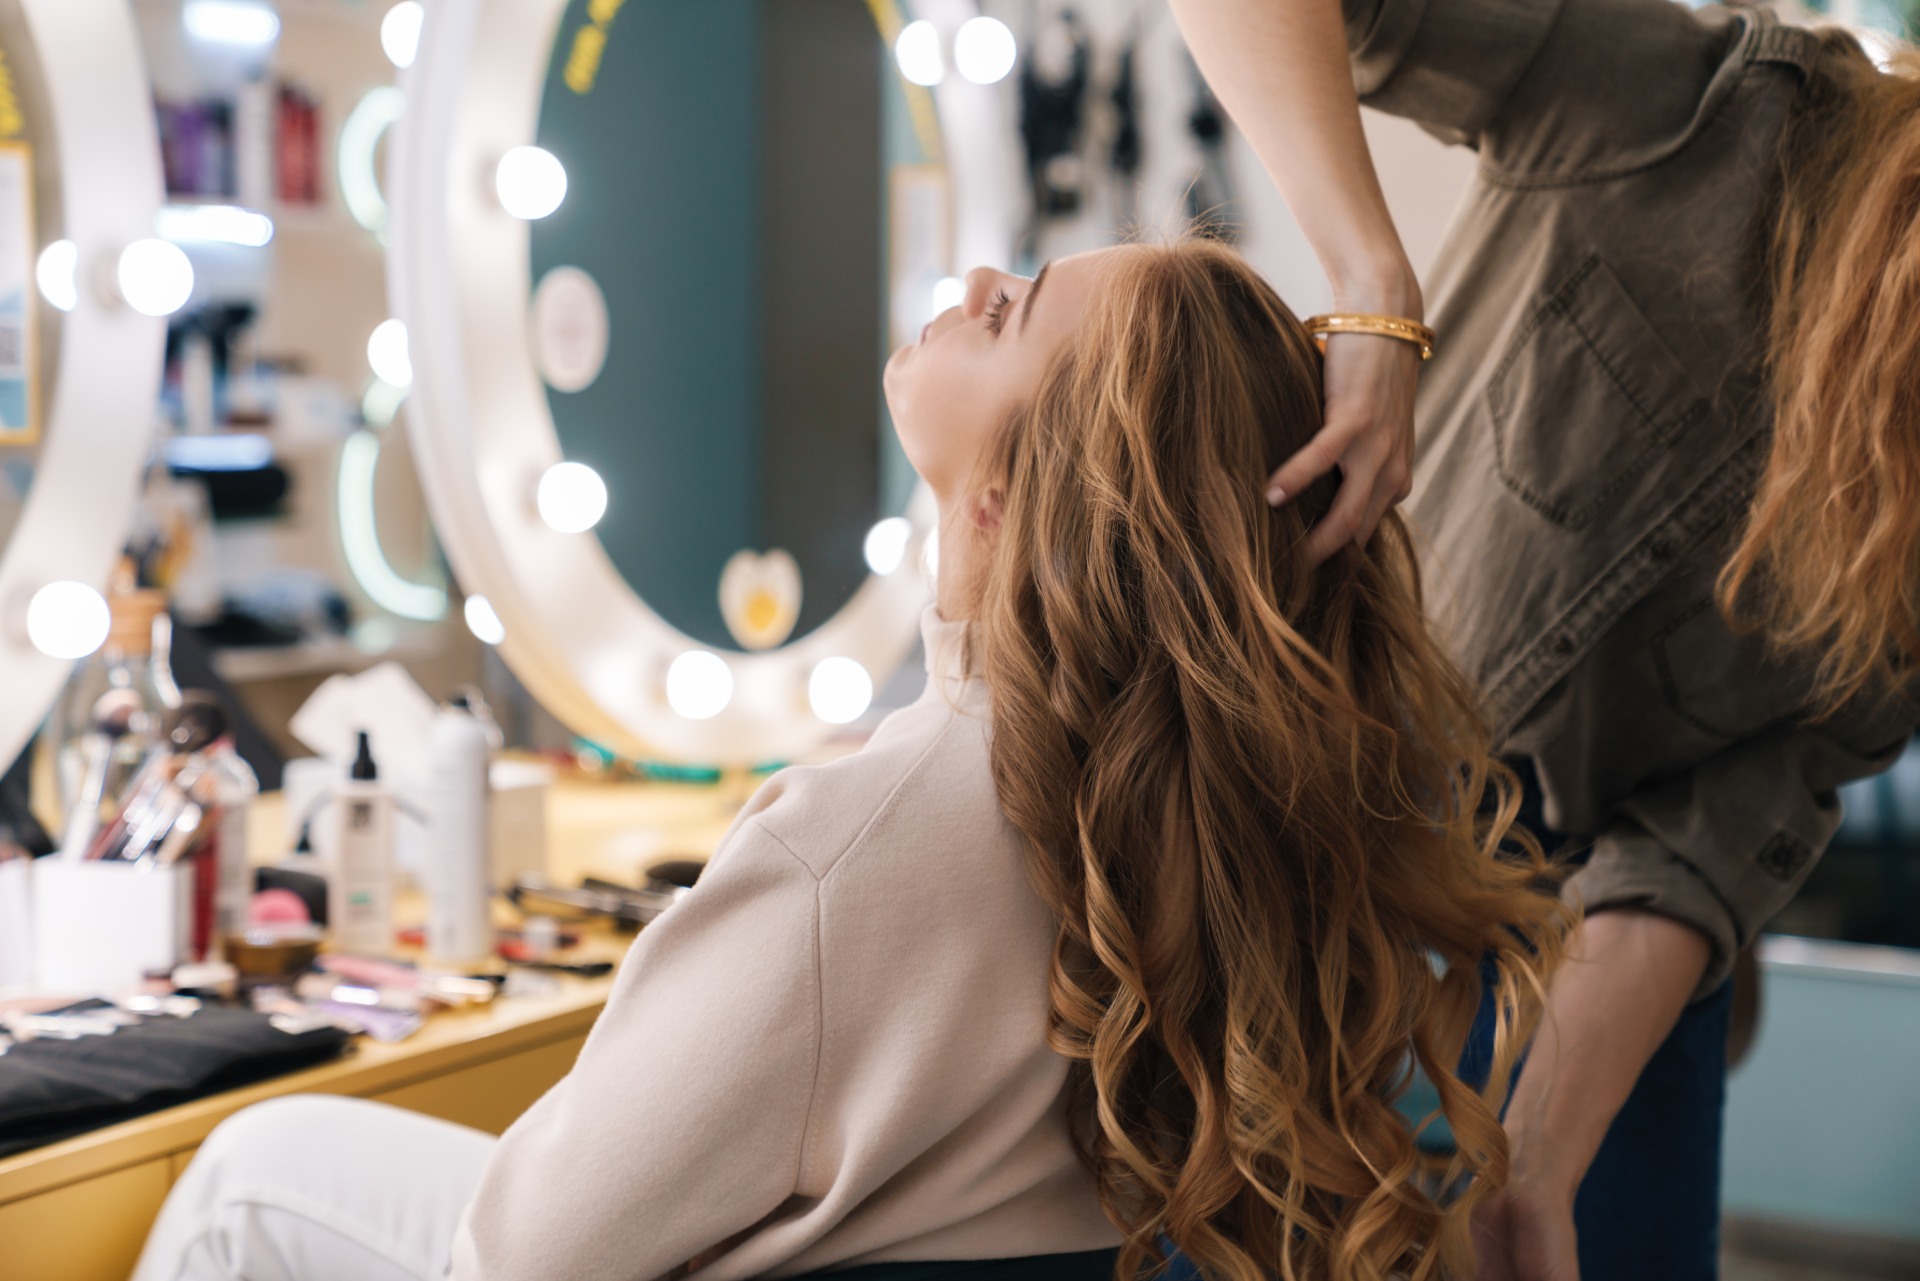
<point x="1830" y="559"/>
<point x="1257" y="796"/>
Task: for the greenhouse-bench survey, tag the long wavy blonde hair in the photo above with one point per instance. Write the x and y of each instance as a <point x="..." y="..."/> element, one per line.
<point x="1257" y="795"/>
<point x="1830" y="559"/>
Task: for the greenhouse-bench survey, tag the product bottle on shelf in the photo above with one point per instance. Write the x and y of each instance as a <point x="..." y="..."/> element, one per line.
<point x="360" y="861"/>
<point x="457" y="868"/>
<point x="109" y="715"/>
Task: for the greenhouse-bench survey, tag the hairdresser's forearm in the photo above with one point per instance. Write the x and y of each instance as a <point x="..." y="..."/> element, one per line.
<point x="1280" y="69"/>
<point x="1619" y="993"/>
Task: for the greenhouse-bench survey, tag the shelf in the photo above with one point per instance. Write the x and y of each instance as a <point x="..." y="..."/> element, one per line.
<point x="241" y="665"/>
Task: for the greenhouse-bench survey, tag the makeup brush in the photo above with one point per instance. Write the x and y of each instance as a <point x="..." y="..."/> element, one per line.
<point x="113" y="714"/>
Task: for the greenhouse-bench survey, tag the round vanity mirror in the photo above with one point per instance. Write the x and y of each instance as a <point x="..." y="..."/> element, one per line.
<point x="652" y="257"/>
<point x="83" y="284"/>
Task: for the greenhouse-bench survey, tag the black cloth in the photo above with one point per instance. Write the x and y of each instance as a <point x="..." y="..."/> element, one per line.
<point x="52" y="1090"/>
<point x="1091" y="1265"/>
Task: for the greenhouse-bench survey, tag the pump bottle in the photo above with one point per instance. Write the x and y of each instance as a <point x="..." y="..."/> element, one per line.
<point x="360" y="880"/>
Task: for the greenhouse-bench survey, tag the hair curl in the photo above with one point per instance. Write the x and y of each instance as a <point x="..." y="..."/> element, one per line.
<point x="1829" y="561"/>
<point x="1256" y="795"/>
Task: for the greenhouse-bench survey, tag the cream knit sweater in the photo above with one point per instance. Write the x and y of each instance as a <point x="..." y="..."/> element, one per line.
<point x="832" y="1052"/>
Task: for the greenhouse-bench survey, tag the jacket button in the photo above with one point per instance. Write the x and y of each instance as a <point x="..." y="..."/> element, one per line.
<point x="1563" y="644"/>
<point x="1661" y="548"/>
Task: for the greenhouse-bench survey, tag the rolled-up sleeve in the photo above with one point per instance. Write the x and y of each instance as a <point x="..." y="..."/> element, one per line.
<point x="1448" y="65"/>
<point x="1725" y="846"/>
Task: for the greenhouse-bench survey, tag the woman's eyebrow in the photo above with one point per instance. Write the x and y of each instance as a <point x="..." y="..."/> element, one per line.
<point x="1026" y="306"/>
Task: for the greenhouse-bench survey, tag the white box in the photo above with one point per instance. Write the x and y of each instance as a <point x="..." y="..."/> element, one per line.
<point x="16" y="925"/>
<point x="101" y="927"/>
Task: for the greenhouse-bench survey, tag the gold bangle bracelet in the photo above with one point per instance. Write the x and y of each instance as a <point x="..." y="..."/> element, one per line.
<point x="1322" y="327"/>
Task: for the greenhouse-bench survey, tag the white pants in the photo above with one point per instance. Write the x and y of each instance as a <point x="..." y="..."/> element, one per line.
<point x="318" y="1188"/>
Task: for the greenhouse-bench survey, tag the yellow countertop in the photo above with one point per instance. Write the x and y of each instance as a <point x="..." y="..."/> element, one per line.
<point x="79" y="1209"/>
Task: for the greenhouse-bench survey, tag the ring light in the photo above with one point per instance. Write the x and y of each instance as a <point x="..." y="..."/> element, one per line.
<point x="566" y="620"/>
<point x="100" y="414"/>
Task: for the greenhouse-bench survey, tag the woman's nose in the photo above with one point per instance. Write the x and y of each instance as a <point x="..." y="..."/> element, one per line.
<point x="981" y="283"/>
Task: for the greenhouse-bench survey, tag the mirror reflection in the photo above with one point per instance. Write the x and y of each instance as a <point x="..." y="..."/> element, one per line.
<point x="715" y="297"/>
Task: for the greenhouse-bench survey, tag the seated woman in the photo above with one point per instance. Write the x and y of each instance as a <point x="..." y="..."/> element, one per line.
<point x="1127" y="934"/>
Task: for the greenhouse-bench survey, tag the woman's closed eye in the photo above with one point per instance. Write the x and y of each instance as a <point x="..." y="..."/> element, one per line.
<point x="996" y="312"/>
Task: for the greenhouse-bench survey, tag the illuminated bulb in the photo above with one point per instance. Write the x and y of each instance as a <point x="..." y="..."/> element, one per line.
<point x="984" y="50"/>
<point x="387" y="353"/>
<point x="886" y="544"/>
<point x="572" y="498"/>
<point x="380" y="403"/>
<point x="155" y="277"/>
<point x="214" y="224"/>
<point x="918" y="52"/>
<point x="230" y="22"/>
<point x="699" y="685"/>
<point x="482" y="621"/>
<point x="67" y="620"/>
<point x="400" y="32"/>
<point x="948" y="291"/>
<point x="57" y="272"/>
<point x="531" y="182"/>
<point x="839" y="690"/>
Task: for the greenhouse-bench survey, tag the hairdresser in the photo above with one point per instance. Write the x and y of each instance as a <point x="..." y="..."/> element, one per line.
<point x="1677" y="384"/>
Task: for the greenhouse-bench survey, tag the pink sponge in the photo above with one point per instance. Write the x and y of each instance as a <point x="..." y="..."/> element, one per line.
<point x="277" y="907"/>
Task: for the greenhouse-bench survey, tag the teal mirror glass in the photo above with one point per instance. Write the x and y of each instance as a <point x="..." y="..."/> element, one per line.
<point x="743" y="178"/>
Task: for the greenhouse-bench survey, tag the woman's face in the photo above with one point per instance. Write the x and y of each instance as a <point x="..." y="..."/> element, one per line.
<point x="978" y="362"/>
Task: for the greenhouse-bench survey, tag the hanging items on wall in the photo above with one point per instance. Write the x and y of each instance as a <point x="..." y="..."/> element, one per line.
<point x="1052" y="119"/>
<point x="1210" y="198"/>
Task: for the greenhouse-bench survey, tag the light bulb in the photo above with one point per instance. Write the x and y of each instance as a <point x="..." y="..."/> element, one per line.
<point x="214" y="224"/>
<point x="699" y="685"/>
<point x="948" y="291"/>
<point x="230" y="22"/>
<point x="886" y="544"/>
<point x="917" y="50"/>
<point x="482" y="621"/>
<point x="155" y="277"/>
<point x="531" y="182"/>
<point x="400" y="32"/>
<point x="57" y="274"/>
<point x="572" y="498"/>
<point x="839" y="690"/>
<point x="387" y="353"/>
<point x="67" y="620"/>
<point x="984" y="50"/>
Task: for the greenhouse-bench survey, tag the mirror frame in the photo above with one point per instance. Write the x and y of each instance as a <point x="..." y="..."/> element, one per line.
<point x="576" y="633"/>
<point x="101" y="402"/>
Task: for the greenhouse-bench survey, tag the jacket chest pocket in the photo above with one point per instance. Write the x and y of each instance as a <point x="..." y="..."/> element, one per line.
<point x="1586" y="400"/>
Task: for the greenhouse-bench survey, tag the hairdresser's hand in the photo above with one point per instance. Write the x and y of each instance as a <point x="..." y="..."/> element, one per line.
<point x="1368" y="435"/>
<point x="1525" y="1233"/>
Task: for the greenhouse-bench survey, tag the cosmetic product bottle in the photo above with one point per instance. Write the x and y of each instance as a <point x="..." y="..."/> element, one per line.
<point x="234" y="788"/>
<point x="108" y="717"/>
<point x="360" y="875"/>
<point x="457" y="867"/>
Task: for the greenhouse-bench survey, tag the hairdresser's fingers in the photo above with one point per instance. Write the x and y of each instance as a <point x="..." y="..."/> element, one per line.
<point x="1343" y="522"/>
<point x="1369" y="385"/>
<point x="1317" y="457"/>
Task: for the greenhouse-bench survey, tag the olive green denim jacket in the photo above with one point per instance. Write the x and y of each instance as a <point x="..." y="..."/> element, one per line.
<point x="1592" y="427"/>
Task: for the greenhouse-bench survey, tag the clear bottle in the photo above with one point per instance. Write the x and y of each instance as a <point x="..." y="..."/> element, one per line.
<point x="235" y="787"/>
<point x="108" y="717"/>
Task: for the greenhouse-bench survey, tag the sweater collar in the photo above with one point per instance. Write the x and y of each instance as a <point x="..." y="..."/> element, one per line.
<point x="945" y="641"/>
